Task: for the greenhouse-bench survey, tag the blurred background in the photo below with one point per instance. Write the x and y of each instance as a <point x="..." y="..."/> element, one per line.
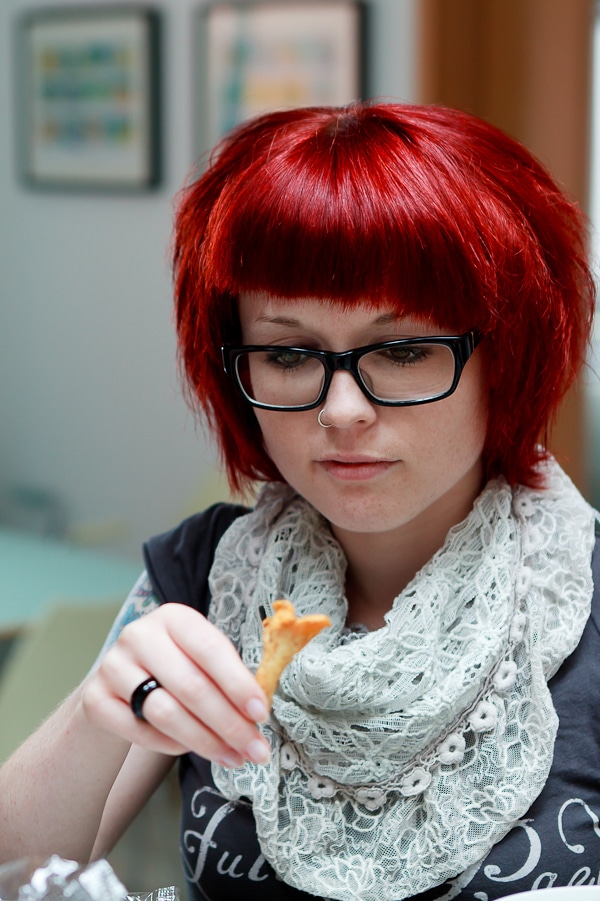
<point x="98" y="450"/>
<point x="96" y="443"/>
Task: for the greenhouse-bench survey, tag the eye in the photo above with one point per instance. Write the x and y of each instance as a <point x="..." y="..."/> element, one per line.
<point x="286" y="359"/>
<point x="406" y="354"/>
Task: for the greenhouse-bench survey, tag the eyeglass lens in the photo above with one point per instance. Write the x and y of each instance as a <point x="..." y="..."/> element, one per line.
<point x="412" y="372"/>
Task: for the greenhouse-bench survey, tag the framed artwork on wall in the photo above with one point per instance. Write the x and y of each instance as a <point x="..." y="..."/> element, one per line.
<point x="88" y="98"/>
<point x="253" y="57"/>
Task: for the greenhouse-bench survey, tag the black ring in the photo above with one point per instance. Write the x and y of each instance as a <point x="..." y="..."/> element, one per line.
<point x="140" y="694"/>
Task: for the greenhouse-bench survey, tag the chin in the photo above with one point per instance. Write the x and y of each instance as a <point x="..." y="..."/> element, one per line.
<point x="360" y="517"/>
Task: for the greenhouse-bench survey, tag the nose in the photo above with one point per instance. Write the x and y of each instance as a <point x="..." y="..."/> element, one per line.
<point x="345" y="403"/>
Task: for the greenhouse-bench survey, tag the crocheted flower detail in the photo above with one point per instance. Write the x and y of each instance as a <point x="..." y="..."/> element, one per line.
<point x="371" y="798"/>
<point x="484" y="717"/>
<point x="517" y="628"/>
<point x="415" y="782"/>
<point x="288" y="757"/>
<point x="523" y="504"/>
<point x="321" y="788"/>
<point x="523" y="580"/>
<point x="532" y="540"/>
<point x="452" y="750"/>
<point x="505" y="676"/>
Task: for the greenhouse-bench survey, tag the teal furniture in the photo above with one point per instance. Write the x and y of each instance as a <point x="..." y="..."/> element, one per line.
<point x="35" y="571"/>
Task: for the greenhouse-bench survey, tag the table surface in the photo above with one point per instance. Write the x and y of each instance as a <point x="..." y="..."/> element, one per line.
<point x="36" y="572"/>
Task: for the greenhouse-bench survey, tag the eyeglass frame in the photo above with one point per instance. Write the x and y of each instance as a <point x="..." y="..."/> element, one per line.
<point x="462" y="347"/>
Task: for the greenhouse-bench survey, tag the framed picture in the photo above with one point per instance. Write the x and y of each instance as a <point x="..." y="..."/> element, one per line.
<point x="88" y="98"/>
<point x="259" y="56"/>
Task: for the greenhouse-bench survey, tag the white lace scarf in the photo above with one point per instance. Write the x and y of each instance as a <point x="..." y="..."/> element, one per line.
<point x="401" y="757"/>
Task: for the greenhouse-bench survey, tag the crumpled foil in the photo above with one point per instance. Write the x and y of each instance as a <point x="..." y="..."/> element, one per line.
<point x="167" y="893"/>
<point x="65" y="880"/>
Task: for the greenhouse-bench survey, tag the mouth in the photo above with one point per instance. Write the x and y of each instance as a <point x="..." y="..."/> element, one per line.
<point x="355" y="469"/>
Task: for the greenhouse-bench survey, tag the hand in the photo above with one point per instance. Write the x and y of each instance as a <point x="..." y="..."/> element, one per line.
<point x="208" y="702"/>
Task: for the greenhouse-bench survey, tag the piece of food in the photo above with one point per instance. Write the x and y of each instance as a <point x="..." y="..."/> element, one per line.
<point x="284" y="635"/>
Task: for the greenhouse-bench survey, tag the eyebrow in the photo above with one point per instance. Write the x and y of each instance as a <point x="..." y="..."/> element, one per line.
<point x="384" y="319"/>
<point x="278" y="320"/>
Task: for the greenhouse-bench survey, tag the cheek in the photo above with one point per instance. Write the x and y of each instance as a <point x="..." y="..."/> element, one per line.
<point x="283" y="432"/>
<point x="459" y="426"/>
<point x="472" y="402"/>
<point x="480" y="414"/>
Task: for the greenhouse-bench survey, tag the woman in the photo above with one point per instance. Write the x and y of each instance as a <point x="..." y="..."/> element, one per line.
<point x="379" y="309"/>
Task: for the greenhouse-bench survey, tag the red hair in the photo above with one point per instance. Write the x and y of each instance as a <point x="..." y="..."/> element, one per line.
<point x="426" y="208"/>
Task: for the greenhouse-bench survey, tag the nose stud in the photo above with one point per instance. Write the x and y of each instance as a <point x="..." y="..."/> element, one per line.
<point x="325" y="425"/>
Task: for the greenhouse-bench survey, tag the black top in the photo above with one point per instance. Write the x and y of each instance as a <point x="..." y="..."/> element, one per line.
<point x="557" y="843"/>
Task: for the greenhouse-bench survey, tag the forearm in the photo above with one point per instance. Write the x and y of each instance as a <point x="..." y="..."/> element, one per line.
<point x="138" y="779"/>
<point x="54" y="788"/>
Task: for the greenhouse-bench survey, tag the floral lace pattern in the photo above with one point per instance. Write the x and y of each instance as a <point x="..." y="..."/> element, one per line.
<point x="401" y="757"/>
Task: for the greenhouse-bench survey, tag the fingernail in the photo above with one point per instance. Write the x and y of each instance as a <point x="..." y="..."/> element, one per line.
<point x="258" y="751"/>
<point x="256" y="710"/>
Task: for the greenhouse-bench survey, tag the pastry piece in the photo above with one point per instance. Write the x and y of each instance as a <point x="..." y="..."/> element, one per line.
<point x="284" y="635"/>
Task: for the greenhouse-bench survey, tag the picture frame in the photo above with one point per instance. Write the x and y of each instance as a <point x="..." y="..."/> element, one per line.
<point x="88" y="104"/>
<point x="264" y="55"/>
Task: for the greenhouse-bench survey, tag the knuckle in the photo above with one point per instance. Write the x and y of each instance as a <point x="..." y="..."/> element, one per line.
<point x="179" y="616"/>
<point x="90" y="700"/>
<point x="161" y="709"/>
<point x="193" y="690"/>
<point x="131" y="632"/>
<point x="111" y="663"/>
<point x="213" y="641"/>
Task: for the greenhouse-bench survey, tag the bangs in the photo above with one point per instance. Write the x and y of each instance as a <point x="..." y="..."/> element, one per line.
<point x="358" y="210"/>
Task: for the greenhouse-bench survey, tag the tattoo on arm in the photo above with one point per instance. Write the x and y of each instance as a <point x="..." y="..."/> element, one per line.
<point x="140" y="602"/>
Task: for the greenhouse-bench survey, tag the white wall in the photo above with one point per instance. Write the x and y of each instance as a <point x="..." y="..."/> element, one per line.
<point x="90" y="405"/>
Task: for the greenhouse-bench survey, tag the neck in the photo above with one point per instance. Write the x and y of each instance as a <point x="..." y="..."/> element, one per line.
<point x="382" y="564"/>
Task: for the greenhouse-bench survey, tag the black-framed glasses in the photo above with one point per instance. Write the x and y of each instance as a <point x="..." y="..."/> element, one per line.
<point x="398" y="373"/>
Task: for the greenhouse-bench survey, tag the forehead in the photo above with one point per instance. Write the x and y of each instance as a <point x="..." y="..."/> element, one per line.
<point x="261" y="310"/>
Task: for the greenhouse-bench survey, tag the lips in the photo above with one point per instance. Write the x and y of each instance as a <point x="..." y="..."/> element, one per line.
<point x="355" y="468"/>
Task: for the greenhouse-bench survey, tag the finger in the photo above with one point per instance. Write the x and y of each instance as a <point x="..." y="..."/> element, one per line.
<point x="164" y="712"/>
<point x="207" y="650"/>
<point x="198" y="699"/>
<point x="216" y="656"/>
<point x="111" y="712"/>
<point x="147" y="647"/>
<point x="194" y="700"/>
